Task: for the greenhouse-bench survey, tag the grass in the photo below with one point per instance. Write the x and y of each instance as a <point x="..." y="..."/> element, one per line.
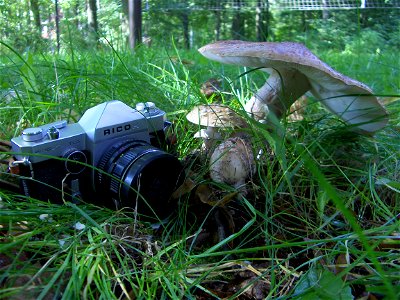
<point x="321" y="219"/>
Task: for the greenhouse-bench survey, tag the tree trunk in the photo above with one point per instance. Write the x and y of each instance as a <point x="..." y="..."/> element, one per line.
<point x="238" y="22"/>
<point x="36" y="15"/>
<point x="135" y="22"/>
<point x="57" y="19"/>
<point x="262" y="20"/>
<point x="303" y="21"/>
<point x="217" y="17"/>
<point x="217" y="29"/>
<point x="364" y="14"/>
<point x="185" y="28"/>
<point x="75" y="9"/>
<point x="92" y="18"/>
<point x="325" y="11"/>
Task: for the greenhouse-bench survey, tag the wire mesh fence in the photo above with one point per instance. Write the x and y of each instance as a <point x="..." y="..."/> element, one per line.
<point x="214" y="5"/>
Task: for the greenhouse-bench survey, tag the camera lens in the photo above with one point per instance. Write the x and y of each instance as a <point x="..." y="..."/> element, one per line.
<point x="136" y="174"/>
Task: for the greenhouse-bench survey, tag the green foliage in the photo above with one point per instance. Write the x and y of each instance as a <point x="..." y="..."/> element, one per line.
<point x="321" y="285"/>
<point x="344" y="30"/>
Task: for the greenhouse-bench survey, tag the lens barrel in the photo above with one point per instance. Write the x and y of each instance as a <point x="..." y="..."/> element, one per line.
<point x="136" y="174"/>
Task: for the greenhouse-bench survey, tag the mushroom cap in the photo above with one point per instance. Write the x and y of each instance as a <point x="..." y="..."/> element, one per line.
<point x="351" y="100"/>
<point x="215" y="115"/>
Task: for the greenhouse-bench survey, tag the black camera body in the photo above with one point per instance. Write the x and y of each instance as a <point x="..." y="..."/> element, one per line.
<point x="112" y="156"/>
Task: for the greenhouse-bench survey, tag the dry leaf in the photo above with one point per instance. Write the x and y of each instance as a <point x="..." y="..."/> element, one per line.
<point x="187" y="186"/>
<point x="213" y="197"/>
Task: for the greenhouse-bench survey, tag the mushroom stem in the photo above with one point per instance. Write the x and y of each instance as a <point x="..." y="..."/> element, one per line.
<point x="209" y="136"/>
<point x="280" y="91"/>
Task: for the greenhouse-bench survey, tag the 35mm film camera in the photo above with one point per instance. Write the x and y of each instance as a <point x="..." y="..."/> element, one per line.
<point x="111" y="157"/>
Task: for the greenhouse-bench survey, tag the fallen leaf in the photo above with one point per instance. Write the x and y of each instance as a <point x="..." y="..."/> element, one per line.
<point x="187" y="186"/>
<point x="212" y="197"/>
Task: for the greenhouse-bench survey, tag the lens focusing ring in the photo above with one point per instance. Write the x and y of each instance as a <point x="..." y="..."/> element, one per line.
<point x="136" y="165"/>
<point x="110" y="156"/>
<point x="120" y="168"/>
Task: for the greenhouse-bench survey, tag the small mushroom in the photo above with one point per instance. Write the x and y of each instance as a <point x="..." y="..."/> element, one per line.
<point x="211" y="89"/>
<point x="214" y="117"/>
<point x="295" y="70"/>
<point x="232" y="162"/>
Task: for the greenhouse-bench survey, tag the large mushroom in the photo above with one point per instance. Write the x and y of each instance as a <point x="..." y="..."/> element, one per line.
<point x="295" y="70"/>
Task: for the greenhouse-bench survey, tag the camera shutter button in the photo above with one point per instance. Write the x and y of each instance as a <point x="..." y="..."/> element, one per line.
<point x="32" y="134"/>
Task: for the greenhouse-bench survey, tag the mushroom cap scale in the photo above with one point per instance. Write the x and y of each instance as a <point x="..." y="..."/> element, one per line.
<point x="215" y="115"/>
<point x="351" y="100"/>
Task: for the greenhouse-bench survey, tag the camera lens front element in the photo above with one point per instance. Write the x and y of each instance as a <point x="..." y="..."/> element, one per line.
<point x="138" y="175"/>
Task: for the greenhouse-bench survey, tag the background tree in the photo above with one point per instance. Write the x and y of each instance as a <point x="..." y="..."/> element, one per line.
<point x="57" y="24"/>
<point x="92" y="19"/>
<point x="325" y="11"/>
<point x="262" y="20"/>
<point x="238" y="21"/>
<point x="184" y="16"/>
<point x="135" y="22"/>
<point x="36" y="16"/>
<point x="217" y="18"/>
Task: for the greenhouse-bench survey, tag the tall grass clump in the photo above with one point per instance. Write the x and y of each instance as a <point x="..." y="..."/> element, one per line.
<point x="320" y="219"/>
